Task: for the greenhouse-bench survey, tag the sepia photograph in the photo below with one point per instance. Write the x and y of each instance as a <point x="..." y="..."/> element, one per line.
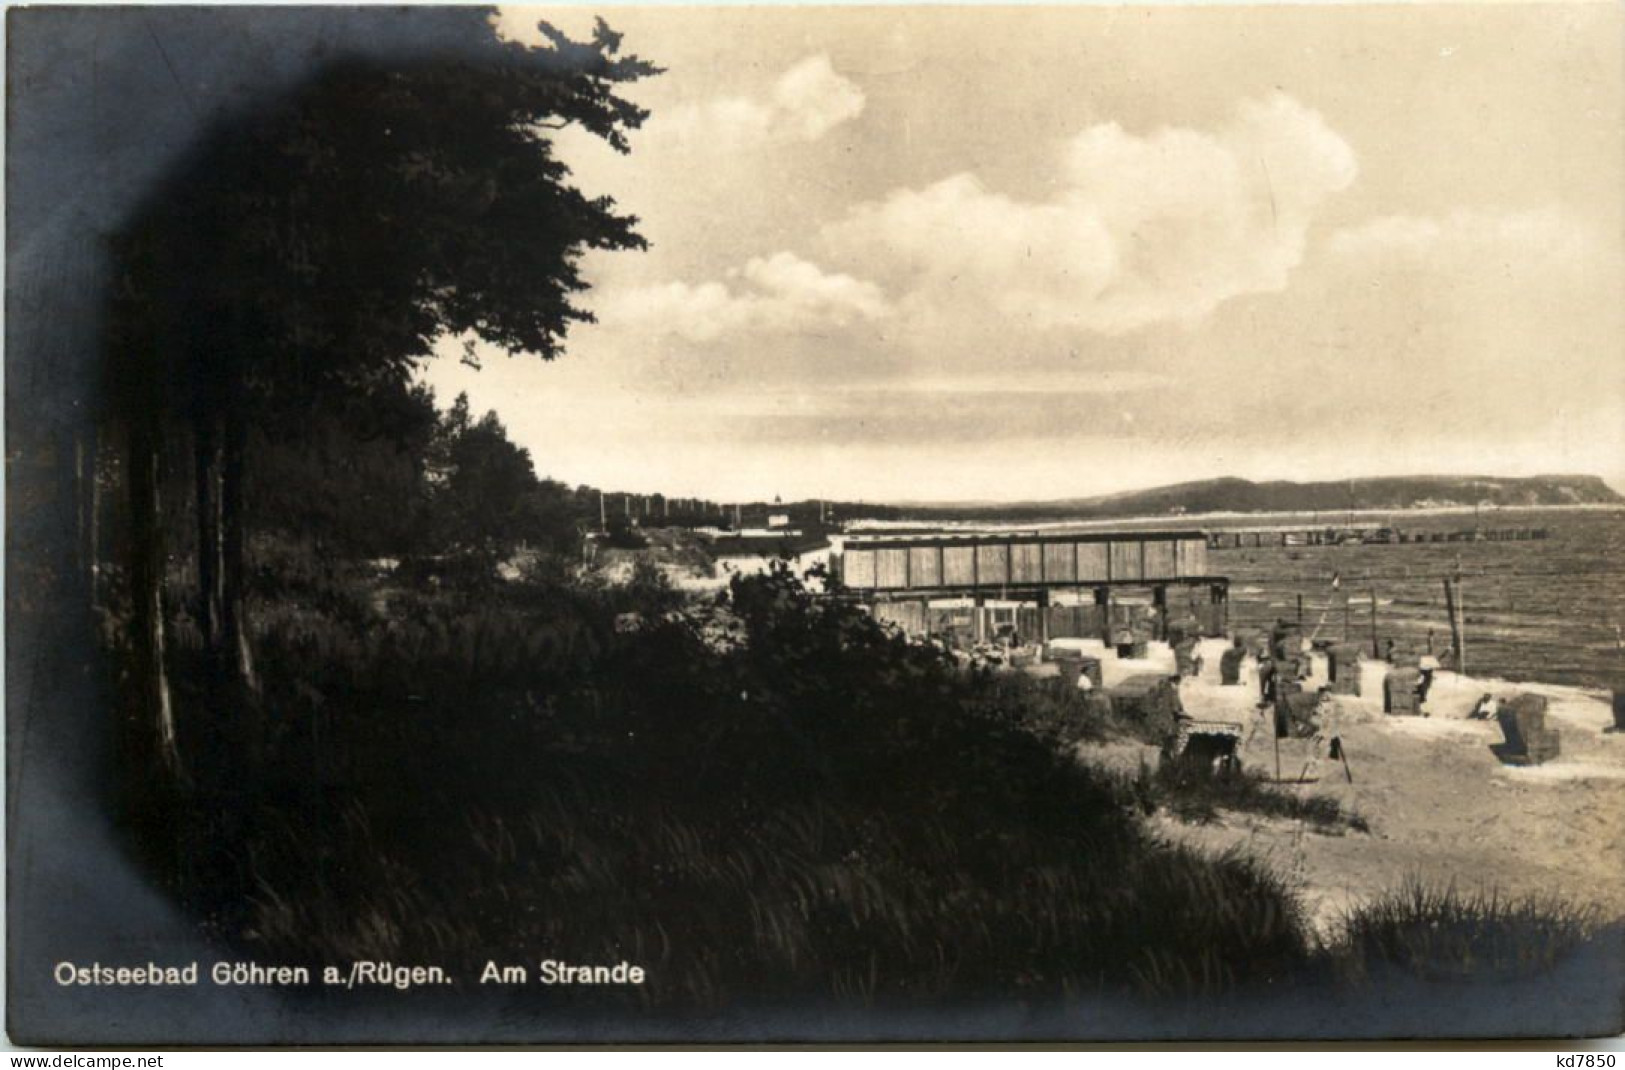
<point x="814" y="525"/>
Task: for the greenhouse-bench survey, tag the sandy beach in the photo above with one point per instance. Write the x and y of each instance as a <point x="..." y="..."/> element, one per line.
<point x="1441" y="807"/>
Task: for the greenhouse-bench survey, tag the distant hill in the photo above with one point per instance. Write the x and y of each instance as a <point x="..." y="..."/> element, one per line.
<point x="1245" y="496"/>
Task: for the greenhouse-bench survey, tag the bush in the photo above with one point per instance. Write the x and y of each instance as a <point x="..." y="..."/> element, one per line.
<point x="1062" y="716"/>
<point x="620" y="533"/>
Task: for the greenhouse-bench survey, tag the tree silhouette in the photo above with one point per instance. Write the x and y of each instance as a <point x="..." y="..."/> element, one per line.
<point x="314" y="250"/>
<point x="488" y="484"/>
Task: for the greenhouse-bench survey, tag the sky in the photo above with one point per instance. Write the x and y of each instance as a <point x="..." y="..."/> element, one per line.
<point x="933" y="254"/>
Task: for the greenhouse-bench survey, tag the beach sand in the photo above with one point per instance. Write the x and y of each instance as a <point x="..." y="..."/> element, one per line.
<point x="1440" y="805"/>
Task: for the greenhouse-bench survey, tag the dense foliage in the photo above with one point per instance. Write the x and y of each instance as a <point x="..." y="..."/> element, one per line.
<point x="821" y="809"/>
<point x="398" y="480"/>
<point x="302" y="259"/>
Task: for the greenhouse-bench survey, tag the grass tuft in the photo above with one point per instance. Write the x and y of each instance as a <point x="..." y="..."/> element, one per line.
<point x="1442" y="932"/>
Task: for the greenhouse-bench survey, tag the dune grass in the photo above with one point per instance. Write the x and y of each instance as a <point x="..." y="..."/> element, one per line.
<point x="1439" y="931"/>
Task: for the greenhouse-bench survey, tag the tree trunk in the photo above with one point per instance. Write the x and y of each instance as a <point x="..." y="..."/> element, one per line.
<point x="87" y="502"/>
<point x="233" y="541"/>
<point x="93" y="536"/>
<point x="81" y="559"/>
<point x="207" y="459"/>
<point x="151" y="738"/>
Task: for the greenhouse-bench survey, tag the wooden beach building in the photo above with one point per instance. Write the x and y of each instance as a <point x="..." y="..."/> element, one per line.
<point x="1050" y="586"/>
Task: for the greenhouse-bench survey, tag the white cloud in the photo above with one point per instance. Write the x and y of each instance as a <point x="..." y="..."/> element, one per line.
<point x="1145" y="229"/>
<point x="1520" y="239"/>
<point x="776" y="294"/>
<point x="806" y="102"/>
<point x="813" y="99"/>
<point x="1496" y="327"/>
<point x="956" y="230"/>
<point x="799" y="284"/>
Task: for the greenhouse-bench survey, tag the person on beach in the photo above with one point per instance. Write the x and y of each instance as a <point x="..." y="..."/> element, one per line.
<point x="1427" y="666"/>
<point x="1231" y="662"/>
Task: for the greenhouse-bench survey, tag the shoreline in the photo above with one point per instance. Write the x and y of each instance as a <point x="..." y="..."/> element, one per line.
<point x="1260" y="519"/>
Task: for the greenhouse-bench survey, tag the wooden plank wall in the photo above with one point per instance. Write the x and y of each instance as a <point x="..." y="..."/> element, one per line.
<point x="858" y="569"/>
<point x="909" y="616"/>
<point x="1094" y="562"/>
<point x="925" y="566"/>
<point x="1026" y="562"/>
<point x="1128" y="562"/>
<point x="1076" y="622"/>
<point x="891" y="567"/>
<point x="1159" y="560"/>
<point x="992" y="565"/>
<point x="1060" y="561"/>
<point x="1192" y="557"/>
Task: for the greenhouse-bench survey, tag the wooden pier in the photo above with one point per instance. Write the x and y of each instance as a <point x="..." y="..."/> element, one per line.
<point x="1248" y="538"/>
<point x="1033" y="577"/>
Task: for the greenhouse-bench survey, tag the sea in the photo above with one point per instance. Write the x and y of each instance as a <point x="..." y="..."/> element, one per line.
<point x="1550" y="610"/>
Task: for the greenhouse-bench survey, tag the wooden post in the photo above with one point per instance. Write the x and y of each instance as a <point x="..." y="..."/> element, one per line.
<point x="1341" y="752"/>
<point x="1300" y="612"/>
<point x="1375" y="653"/>
<point x="1450" y="614"/>
<point x="1461" y="627"/>
<point x="1453" y="605"/>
